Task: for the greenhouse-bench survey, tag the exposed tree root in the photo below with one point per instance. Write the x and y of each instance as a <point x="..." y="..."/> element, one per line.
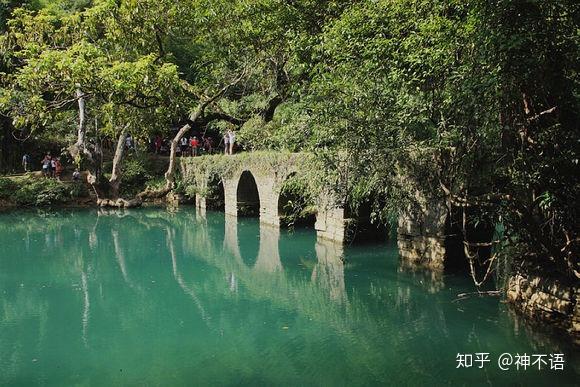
<point x="149" y="194"/>
<point x="119" y="203"/>
<point x="137" y="201"/>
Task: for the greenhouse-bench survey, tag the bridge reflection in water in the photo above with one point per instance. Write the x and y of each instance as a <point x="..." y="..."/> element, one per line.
<point x="327" y="273"/>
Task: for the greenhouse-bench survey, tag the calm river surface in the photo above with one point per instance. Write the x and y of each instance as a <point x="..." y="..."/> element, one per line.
<point x="159" y="298"/>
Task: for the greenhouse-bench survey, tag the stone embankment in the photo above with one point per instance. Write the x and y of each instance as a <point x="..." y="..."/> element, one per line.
<point x="547" y="300"/>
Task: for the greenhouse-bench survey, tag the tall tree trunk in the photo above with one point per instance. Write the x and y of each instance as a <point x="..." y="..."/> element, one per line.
<point x="80" y="150"/>
<point x="193" y="117"/>
<point x="115" y="179"/>
<point x="170" y="174"/>
<point x="82" y="119"/>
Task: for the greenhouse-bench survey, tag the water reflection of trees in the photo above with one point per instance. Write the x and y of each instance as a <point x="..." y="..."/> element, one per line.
<point x="179" y="278"/>
<point x="24" y="308"/>
<point x="200" y="257"/>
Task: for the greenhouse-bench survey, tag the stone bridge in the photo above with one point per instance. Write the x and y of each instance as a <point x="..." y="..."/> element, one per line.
<point x="254" y="180"/>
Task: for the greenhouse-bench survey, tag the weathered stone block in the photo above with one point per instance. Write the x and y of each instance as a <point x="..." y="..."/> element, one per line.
<point x="547" y="299"/>
<point x="425" y="251"/>
<point x="330" y="222"/>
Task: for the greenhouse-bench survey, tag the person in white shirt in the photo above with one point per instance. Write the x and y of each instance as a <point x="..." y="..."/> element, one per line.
<point x="129" y="142"/>
<point x="226" y="143"/>
<point x="232" y="138"/>
<point x="53" y="167"/>
<point x="184" y="146"/>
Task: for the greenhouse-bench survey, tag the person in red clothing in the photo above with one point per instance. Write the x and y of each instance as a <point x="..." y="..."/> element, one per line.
<point x="207" y="145"/>
<point x="158" y="143"/>
<point x="194" y="144"/>
<point x="59" y="168"/>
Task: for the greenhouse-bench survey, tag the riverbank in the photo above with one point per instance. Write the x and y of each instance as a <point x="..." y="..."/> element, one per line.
<point x="31" y="190"/>
<point x="546" y="301"/>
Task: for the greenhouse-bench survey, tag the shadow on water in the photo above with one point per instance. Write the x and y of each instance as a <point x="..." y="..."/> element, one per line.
<point x="171" y="297"/>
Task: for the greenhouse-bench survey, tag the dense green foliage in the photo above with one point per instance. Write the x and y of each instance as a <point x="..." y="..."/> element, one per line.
<point x="7" y="187"/>
<point x="486" y="93"/>
<point x="30" y="191"/>
<point x="297" y="204"/>
<point x="477" y="103"/>
<point x="137" y="172"/>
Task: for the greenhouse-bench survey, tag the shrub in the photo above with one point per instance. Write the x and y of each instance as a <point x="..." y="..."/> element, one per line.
<point x="7" y="188"/>
<point x="136" y="173"/>
<point x="41" y="192"/>
<point x="296" y="205"/>
<point x="78" y="190"/>
<point x="156" y="183"/>
<point x="190" y="191"/>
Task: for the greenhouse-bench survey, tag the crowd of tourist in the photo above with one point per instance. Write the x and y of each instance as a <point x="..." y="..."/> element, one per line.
<point x="51" y="166"/>
<point x="189" y="145"/>
<point x="194" y="144"/>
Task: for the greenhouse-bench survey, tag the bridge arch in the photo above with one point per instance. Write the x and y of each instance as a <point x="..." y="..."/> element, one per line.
<point x="294" y="207"/>
<point x="247" y="195"/>
<point x="215" y="193"/>
<point x="363" y="226"/>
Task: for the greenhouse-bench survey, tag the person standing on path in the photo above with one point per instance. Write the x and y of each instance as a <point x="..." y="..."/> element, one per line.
<point x="58" y="168"/>
<point x="53" y="167"/>
<point x="207" y="145"/>
<point x="46" y="165"/>
<point x="194" y="145"/>
<point x="26" y="162"/>
<point x="129" y="144"/>
<point x="232" y="136"/>
<point x="184" y="150"/>
<point x="226" y="143"/>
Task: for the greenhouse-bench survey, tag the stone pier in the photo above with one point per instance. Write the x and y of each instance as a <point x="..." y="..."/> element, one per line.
<point x="421" y="235"/>
<point x="330" y="220"/>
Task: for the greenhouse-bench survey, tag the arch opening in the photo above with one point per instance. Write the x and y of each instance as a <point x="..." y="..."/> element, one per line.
<point x="215" y="196"/>
<point x="362" y="226"/>
<point x="295" y="207"/>
<point x="480" y="232"/>
<point x="248" y="198"/>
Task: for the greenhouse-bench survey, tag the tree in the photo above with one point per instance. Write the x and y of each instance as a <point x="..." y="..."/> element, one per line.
<point x="119" y="64"/>
<point x="474" y="102"/>
<point x="486" y="94"/>
<point x="74" y="63"/>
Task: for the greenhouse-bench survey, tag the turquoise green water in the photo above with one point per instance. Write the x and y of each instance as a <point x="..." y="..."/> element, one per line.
<point x="149" y="297"/>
